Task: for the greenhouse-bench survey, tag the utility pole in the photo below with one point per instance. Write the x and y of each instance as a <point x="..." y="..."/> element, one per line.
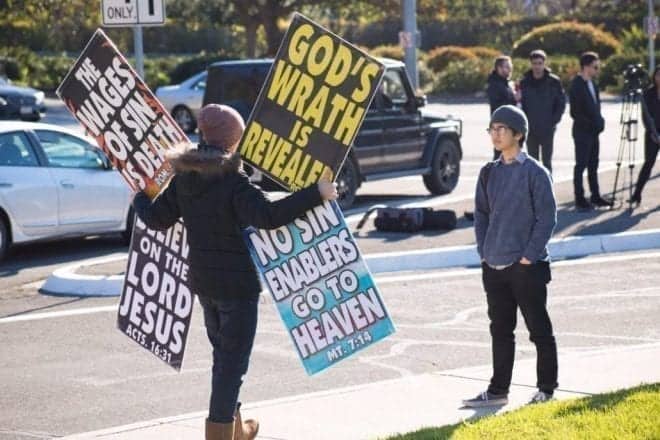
<point x="651" y="30"/>
<point x="408" y="39"/>
<point x="139" y="51"/>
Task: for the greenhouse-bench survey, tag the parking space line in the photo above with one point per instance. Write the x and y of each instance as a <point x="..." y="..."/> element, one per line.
<point x="379" y="279"/>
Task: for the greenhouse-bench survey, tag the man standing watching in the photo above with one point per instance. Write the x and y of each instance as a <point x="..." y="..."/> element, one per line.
<point x="544" y="102"/>
<point x="587" y="125"/>
<point x="515" y="214"/>
<point x="499" y="88"/>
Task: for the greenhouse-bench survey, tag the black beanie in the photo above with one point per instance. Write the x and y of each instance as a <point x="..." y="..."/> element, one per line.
<point x="512" y="117"/>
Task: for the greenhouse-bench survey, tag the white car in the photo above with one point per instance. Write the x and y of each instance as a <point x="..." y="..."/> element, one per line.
<point x="183" y="101"/>
<point x="55" y="183"/>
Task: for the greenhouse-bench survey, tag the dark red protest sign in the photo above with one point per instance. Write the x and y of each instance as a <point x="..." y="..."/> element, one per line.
<point x="117" y="108"/>
<point x="134" y="130"/>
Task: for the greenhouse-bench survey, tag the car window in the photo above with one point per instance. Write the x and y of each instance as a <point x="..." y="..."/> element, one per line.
<point x="66" y="151"/>
<point x="200" y="84"/>
<point x="392" y="88"/>
<point x="240" y="88"/>
<point x="15" y="150"/>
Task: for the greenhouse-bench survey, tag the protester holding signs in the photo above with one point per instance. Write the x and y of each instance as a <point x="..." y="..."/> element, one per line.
<point x="216" y="201"/>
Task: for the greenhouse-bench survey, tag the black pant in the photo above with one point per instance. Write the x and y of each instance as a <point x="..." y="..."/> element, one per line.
<point x="521" y="286"/>
<point x="546" y="142"/>
<point x="650" y="155"/>
<point x="587" y="150"/>
<point x="231" y="325"/>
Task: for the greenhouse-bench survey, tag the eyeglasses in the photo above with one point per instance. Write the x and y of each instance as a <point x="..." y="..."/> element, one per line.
<point x="497" y="130"/>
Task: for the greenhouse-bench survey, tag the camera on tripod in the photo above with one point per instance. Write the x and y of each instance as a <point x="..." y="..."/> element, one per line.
<point x="634" y="77"/>
<point x="632" y="110"/>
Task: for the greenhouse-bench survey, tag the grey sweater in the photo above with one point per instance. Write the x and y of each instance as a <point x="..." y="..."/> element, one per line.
<point x="515" y="211"/>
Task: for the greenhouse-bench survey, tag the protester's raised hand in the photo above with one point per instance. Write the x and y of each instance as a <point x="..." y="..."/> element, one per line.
<point x="328" y="190"/>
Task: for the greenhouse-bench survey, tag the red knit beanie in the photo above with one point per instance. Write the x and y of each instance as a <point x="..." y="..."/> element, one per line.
<point x="220" y="125"/>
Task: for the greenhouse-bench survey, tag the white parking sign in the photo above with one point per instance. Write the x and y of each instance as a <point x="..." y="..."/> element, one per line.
<point x="133" y="12"/>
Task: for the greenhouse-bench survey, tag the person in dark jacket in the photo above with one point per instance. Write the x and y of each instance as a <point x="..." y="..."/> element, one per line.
<point x="652" y="137"/>
<point x="544" y="102"/>
<point x="515" y="214"/>
<point x="216" y="201"/>
<point x="588" y="123"/>
<point x="499" y="88"/>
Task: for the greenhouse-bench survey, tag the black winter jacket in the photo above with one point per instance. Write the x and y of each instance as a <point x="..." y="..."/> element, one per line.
<point x="543" y="101"/>
<point x="216" y="201"/>
<point x="651" y="115"/>
<point x="584" y="110"/>
<point x="499" y="92"/>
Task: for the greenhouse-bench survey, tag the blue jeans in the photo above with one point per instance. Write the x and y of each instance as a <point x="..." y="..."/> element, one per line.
<point x="231" y="325"/>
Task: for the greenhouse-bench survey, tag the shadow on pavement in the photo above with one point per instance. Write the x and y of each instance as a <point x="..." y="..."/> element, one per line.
<point x="34" y="255"/>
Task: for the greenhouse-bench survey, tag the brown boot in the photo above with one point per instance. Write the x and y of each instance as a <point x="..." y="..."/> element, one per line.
<point x="219" y="431"/>
<point x="245" y="430"/>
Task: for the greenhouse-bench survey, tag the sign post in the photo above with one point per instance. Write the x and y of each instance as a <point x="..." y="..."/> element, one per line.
<point x="135" y="13"/>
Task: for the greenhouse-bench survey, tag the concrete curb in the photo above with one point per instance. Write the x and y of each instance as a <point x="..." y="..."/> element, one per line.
<point x="65" y="281"/>
<point x="561" y="248"/>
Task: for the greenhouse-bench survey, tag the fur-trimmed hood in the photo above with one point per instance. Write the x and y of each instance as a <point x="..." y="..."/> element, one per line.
<point x="206" y="162"/>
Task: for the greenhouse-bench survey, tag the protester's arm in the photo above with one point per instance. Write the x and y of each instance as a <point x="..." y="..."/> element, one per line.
<point x="481" y="212"/>
<point x="161" y="213"/>
<point x="545" y="213"/>
<point x="253" y="207"/>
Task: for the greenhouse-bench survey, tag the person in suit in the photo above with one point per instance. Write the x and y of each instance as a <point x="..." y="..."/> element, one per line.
<point x="588" y="123"/>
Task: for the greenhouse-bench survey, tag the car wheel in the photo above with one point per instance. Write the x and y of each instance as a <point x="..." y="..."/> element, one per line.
<point x="445" y="168"/>
<point x="127" y="234"/>
<point x="184" y="117"/>
<point x="347" y="184"/>
<point x="4" y="239"/>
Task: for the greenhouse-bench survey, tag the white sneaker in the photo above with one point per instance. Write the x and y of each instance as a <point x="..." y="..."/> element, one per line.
<point x="540" y="397"/>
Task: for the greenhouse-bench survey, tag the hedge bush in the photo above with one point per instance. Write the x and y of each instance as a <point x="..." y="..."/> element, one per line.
<point x="393" y="51"/>
<point x="564" y="67"/>
<point x="471" y="76"/>
<point x="427" y="77"/>
<point x="46" y="72"/>
<point x="611" y="75"/>
<point x="567" y="38"/>
<point x="440" y="57"/>
<point x="485" y="52"/>
<point x="463" y="76"/>
<point x="9" y="68"/>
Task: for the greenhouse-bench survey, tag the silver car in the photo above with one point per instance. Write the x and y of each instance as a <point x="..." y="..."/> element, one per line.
<point x="184" y="100"/>
<point x="55" y="183"/>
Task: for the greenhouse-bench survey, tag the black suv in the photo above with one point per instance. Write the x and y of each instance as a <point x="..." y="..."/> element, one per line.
<point x="397" y="137"/>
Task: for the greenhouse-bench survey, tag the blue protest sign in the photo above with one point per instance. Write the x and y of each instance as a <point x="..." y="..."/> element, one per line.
<point x="323" y="290"/>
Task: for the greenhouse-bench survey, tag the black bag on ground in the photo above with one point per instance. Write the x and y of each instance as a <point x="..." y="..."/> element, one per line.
<point x="409" y="219"/>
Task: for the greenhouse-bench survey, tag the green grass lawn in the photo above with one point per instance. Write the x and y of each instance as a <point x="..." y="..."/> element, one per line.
<point x="627" y="414"/>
